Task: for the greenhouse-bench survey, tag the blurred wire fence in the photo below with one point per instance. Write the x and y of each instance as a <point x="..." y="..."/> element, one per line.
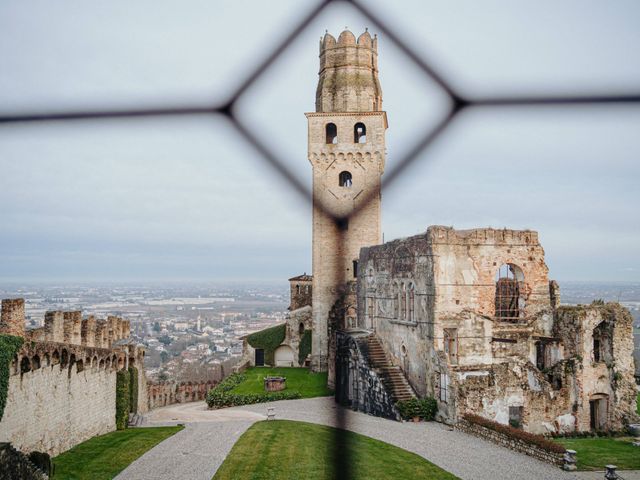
<point x="459" y="102"/>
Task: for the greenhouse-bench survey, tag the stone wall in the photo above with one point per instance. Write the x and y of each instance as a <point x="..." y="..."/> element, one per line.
<point x="54" y="407"/>
<point x="300" y="291"/>
<point x="511" y="443"/>
<point x="168" y="393"/>
<point x="61" y="393"/>
<point x="15" y="465"/>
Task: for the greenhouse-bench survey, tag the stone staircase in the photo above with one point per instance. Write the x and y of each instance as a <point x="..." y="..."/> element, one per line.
<point x="392" y="377"/>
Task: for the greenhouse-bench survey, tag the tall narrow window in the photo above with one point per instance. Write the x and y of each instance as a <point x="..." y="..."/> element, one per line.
<point x="451" y="344"/>
<point x="412" y="302"/>
<point x="359" y="133"/>
<point x="444" y="387"/>
<point x="355" y="268"/>
<point x="403" y="302"/>
<point x="332" y="133"/>
<point x="395" y="295"/>
<point x="345" y="179"/>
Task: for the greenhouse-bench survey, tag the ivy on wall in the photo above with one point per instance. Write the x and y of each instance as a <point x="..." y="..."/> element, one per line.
<point x="122" y="399"/>
<point x="133" y="389"/>
<point x="9" y="346"/>
<point x="268" y="339"/>
<point x="305" y="347"/>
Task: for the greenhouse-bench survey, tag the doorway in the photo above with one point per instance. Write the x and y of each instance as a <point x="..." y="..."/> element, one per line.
<point x="259" y="357"/>
<point x="598" y="407"/>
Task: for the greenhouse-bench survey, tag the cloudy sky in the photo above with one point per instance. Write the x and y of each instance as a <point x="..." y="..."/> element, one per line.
<point x="187" y="199"/>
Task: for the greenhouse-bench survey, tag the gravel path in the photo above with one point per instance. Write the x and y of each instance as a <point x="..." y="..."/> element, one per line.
<point x="198" y="451"/>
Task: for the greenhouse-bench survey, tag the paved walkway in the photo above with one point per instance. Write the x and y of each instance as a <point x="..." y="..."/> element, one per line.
<point x="198" y="451"/>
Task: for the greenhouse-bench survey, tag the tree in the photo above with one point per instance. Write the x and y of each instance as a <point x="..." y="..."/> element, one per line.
<point x="156" y="327"/>
<point x="165" y="339"/>
<point x="164" y="356"/>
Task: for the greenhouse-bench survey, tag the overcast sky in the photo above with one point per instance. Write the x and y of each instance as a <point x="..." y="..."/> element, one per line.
<point x="187" y="199"/>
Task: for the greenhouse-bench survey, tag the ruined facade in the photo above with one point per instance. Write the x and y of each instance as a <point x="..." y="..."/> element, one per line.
<point x="62" y="383"/>
<point x="346" y="149"/>
<point x="471" y="318"/>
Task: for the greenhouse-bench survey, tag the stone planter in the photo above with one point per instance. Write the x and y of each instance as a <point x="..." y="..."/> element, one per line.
<point x="275" y="384"/>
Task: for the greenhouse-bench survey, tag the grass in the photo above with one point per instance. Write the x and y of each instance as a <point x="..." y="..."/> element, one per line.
<point x="595" y="453"/>
<point x="103" y="457"/>
<point x="283" y="449"/>
<point x="302" y="380"/>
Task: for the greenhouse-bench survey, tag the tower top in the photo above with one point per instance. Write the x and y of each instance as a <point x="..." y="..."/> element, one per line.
<point x="348" y="74"/>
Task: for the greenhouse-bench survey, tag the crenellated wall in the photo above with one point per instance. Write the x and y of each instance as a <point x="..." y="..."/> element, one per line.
<point x="167" y="393"/>
<point x="62" y="382"/>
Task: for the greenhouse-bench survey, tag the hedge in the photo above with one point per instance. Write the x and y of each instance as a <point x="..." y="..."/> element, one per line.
<point x="133" y="389"/>
<point x="532" y="438"/>
<point x="9" y="346"/>
<point x="268" y="339"/>
<point x="424" y="408"/>
<point x="122" y="399"/>
<point x="221" y="396"/>
<point x="304" y="348"/>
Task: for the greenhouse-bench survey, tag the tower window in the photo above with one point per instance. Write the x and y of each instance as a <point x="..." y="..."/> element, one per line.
<point x="332" y="133"/>
<point x="355" y="268"/>
<point x="359" y="133"/>
<point x="344" y="179"/>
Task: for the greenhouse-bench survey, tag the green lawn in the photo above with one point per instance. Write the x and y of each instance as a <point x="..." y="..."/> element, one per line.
<point x="283" y="450"/>
<point x="300" y="379"/>
<point x="595" y="453"/>
<point x="103" y="457"/>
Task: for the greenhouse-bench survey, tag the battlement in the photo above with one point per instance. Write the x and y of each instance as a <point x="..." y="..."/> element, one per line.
<point x="438" y="234"/>
<point x="348" y="74"/>
<point x="12" y="317"/>
<point x="64" y="327"/>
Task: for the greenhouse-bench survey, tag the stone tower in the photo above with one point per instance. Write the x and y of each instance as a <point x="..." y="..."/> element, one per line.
<point x="347" y="153"/>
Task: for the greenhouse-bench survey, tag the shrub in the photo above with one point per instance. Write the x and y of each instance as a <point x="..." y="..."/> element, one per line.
<point x="122" y="399"/>
<point x="9" y="346"/>
<point x="532" y="438"/>
<point x="268" y="339"/>
<point x="133" y="389"/>
<point x="305" y="347"/>
<point x="221" y="396"/>
<point x="424" y="408"/>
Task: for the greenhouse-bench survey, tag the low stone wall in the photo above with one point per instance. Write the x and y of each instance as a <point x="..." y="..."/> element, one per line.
<point x="168" y="393"/>
<point x="514" y="444"/>
<point x="15" y="465"/>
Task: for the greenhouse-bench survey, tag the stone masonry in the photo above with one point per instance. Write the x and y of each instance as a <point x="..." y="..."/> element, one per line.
<point x="347" y="153"/>
<point x="62" y="383"/>
<point x="471" y="318"/>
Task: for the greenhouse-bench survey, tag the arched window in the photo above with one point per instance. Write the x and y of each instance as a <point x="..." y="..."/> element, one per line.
<point x="412" y="297"/>
<point x="359" y="133"/>
<point x="509" y="301"/>
<point x="345" y="179"/>
<point x="395" y="295"/>
<point x="332" y="133"/>
<point x="301" y="328"/>
<point x="298" y="289"/>
<point x="403" y="302"/>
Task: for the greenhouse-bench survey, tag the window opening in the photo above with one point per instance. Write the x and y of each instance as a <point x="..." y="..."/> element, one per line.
<point x="355" y="268"/>
<point x="509" y="285"/>
<point x="331" y="133"/>
<point x="451" y="344"/>
<point x="359" y="133"/>
<point x="345" y="179"/>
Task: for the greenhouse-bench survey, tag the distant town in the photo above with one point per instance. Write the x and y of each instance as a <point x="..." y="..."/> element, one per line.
<point x="194" y="332"/>
<point x="190" y="332"/>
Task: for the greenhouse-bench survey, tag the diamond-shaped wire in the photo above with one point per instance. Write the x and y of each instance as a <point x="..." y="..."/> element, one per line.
<point x="341" y="453"/>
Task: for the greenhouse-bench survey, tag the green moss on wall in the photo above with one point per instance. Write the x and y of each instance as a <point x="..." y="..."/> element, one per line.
<point x="305" y="347"/>
<point x="268" y="339"/>
<point x="122" y="399"/>
<point x="9" y="346"/>
<point x="133" y="389"/>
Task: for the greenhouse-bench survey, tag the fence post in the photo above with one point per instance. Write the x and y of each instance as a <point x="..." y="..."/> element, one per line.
<point x="569" y="460"/>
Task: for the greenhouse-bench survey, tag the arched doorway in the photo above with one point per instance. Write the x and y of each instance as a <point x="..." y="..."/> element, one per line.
<point x="283" y="356"/>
